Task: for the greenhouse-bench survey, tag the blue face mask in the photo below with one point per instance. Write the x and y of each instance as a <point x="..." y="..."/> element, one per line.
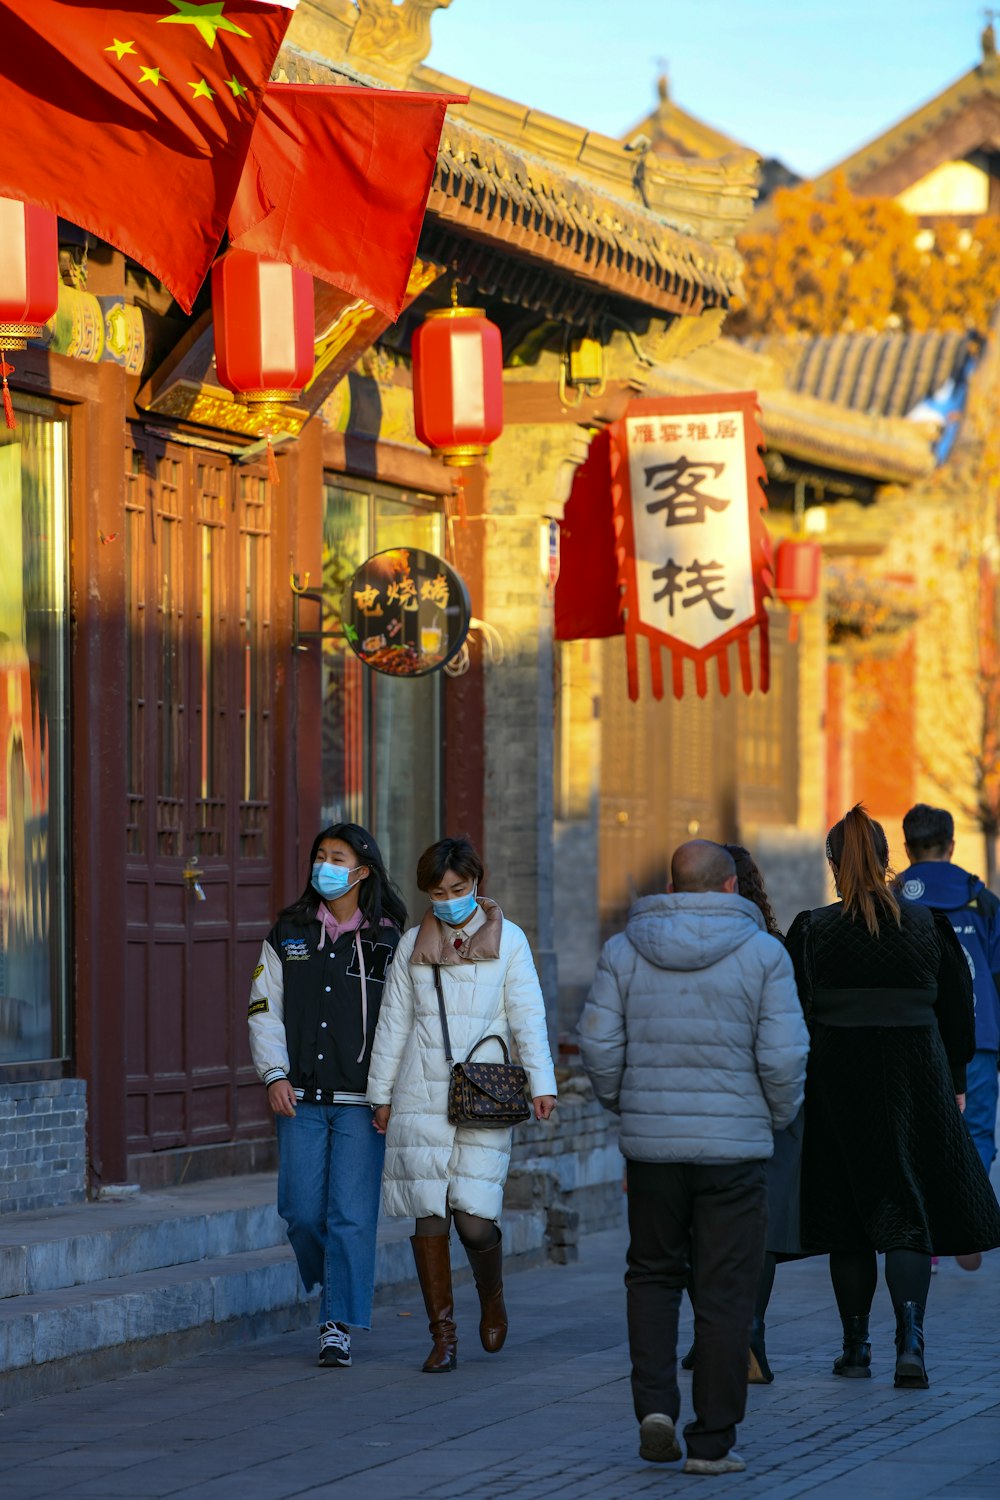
<point x="330" y="881"/>
<point x="455" y="912"/>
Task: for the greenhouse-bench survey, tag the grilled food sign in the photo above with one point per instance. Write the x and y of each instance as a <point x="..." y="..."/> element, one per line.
<point x="406" y="612"/>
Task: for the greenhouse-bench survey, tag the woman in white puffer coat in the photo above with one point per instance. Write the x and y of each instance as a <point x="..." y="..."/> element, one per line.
<point x="436" y="1171"/>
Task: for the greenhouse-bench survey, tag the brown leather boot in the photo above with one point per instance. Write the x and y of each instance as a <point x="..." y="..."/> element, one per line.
<point x="432" y="1255"/>
<point x="487" y="1269"/>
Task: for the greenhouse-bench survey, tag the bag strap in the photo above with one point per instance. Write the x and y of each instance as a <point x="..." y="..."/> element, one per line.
<point x="492" y="1038"/>
<point x="444" y="1018"/>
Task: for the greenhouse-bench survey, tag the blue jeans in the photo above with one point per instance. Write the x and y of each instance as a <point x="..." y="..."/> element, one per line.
<point x="981" y="1105"/>
<point x="329" y="1182"/>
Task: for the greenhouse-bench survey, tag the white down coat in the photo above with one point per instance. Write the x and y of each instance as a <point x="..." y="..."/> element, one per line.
<point x="430" y="1164"/>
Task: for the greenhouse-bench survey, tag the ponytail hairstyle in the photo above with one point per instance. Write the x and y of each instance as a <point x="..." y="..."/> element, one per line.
<point x="858" y="848"/>
<point x="378" y="898"/>
<point x="750" y="885"/>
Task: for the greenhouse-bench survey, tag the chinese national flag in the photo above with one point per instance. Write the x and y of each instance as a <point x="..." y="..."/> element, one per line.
<point x="133" y="120"/>
<point x="337" y="182"/>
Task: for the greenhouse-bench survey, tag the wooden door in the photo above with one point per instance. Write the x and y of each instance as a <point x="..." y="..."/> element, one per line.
<point x="668" y="773"/>
<point x="199" y="837"/>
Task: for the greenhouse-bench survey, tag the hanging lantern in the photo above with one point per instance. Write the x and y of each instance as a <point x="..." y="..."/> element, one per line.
<point x="29" y="280"/>
<point x="796" y="578"/>
<point x="264" y="326"/>
<point x="458" y="384"/>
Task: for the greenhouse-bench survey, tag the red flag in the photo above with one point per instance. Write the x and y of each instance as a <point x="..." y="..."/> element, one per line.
<point x="134" y="120"/>
<point x="337" y="182"/>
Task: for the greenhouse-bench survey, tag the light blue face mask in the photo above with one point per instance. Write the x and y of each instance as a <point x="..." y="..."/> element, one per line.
<point x="331" y="881"/>
<point x="457" y="911"/>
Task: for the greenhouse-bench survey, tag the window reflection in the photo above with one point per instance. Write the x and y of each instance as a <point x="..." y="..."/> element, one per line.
<point x="33" y="727"/>
<point x="381" y="735"/>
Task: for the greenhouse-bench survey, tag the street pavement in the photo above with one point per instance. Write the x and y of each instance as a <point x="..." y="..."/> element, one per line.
<point x="551" y="1415"/>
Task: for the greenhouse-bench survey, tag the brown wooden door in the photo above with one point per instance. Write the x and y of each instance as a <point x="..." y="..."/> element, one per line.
<point x="668" y="773"/>
<point x="199" y="697"/>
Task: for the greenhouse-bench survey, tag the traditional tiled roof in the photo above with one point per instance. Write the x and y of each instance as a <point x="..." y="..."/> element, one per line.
<point x="671" y="128"/>
<point x="975" y="92"/>
<point x="799" y="424"/>
<point x="538" y="210"/>
<point x="883" y="374"/>
<point x="550" y="205"/>
<point x="963" y="118"/>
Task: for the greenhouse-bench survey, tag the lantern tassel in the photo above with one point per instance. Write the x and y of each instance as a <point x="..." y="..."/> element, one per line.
<point x="272" y="463"/>
<point x="8" y="406"/>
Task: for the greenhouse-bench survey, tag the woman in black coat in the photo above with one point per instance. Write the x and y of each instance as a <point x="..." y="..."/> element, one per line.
<point x="888" y="1163"/>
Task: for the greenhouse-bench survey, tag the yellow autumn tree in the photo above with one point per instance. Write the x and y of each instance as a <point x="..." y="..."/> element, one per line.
<point x="841" y="264"/>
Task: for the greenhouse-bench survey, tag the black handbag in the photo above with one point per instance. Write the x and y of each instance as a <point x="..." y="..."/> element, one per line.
<point x="484" y="1094"/>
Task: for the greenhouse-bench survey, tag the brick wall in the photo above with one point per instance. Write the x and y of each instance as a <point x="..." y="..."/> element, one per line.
<point x="43" y="1147"/>
<point x="571" y="1167"/>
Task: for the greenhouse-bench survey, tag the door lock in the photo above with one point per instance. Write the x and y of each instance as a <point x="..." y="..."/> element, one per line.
<point x="192" y="874"/>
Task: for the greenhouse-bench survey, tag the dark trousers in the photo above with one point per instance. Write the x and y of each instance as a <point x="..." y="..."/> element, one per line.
<point x="705" y="1229"/>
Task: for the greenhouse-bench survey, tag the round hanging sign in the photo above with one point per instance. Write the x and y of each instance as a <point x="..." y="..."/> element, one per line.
<point x="406" y="612"/>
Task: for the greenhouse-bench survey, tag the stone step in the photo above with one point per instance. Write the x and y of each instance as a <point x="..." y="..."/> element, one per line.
<point x="63" y="1336"/>
<point x="94" y="1242"/>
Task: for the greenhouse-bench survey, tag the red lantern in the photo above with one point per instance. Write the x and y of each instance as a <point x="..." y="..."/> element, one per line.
<point x="29" y="280"/>
<point x="796" y="578"/>
<point x="264" y="327"/>
<point x="458" y="384"/>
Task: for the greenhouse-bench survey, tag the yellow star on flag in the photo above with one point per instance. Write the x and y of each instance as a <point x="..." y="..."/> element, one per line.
<point x="207" y="18"/>
<point x="150" y="75"/>
<point x="202" y="90"/>
<point x="120" y="48"/>
<point x="237" y="87"/>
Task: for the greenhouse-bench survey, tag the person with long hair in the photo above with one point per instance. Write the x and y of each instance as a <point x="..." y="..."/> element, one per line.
<point x="466" y="957"/>
<point x="888" y="1163"/>
<point x="314" y="1006"/>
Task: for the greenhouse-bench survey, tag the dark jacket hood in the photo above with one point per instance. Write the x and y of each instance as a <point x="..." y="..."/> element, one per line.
<point x="691" y="930"/>
<point x="937" y="883"/>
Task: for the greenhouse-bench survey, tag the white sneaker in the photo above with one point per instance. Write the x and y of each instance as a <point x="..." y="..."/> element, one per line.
<point x="334" y="1346"/>
<point x="657" y="1440"/>
<point x="731" y="1464"/>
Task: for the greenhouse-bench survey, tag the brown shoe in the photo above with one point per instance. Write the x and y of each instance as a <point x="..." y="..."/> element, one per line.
<point x="970" y="1262"/>
<point x="487" y="1269"/>
<point x="432" y="1255"/>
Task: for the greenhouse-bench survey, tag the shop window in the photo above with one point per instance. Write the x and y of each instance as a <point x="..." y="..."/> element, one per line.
<point x="34" y="717"/>
<point x="381" y="736"/>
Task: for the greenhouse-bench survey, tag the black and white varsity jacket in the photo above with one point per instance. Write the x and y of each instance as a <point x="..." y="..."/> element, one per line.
<point x="313" y="1010"/>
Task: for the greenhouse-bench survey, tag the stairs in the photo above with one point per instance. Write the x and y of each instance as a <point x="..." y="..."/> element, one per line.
<point x="96" y="1290"/>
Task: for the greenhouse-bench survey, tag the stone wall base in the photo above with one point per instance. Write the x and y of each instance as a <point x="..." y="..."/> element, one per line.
<point x="43" y="1144"/>
<point x="569" y="1168"/>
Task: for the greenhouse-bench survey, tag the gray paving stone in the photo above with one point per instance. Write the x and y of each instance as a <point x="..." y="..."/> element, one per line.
<point x="550" y="1417"/>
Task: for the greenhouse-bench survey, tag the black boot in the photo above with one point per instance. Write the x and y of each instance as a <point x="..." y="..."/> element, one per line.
<point x="855" y="1362"/>
<point x="758" y="1370"/>
<point x="911" y="1373"/>
<point x="687" y="1363"/>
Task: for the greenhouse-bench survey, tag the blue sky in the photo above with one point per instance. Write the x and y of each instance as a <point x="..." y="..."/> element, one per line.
<point x="805" y="80"/>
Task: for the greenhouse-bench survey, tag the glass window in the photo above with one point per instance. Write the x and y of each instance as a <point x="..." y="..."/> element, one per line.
<point x="33" y="738"/>
<point x="381" y="735"/>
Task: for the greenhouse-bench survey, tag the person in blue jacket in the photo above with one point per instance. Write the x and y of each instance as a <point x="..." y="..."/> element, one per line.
<point x="974" y="912"/>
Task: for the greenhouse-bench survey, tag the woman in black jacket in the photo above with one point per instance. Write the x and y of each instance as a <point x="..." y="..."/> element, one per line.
<point x="314" y="1004"/>
<point x="888" y="1163"/>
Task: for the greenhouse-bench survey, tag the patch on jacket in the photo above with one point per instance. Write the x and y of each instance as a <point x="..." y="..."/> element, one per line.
<point x="257" y="1006"/>
<point x="913" y="889"/>
<point x="295" y="948"/>
<point x="258" y="971"/>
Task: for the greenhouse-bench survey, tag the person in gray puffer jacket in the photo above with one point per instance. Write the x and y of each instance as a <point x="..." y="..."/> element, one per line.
<point x="693" y="1033"/>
